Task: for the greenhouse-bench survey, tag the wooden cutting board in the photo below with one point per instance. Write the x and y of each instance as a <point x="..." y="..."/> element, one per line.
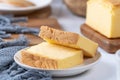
<point x="109" y="45"/>
<point x="36" y="23"/>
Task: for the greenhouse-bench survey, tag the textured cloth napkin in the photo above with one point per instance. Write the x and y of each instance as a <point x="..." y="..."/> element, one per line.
<point x="9" y="70"/>
<point x="6" y="27"/>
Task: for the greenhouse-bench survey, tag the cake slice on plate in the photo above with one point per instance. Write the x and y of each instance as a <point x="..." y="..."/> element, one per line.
<point x="69" y="39"/>
<point x="51" y="56"/>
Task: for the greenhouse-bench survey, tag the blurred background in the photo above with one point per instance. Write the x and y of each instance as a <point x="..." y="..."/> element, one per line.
<point x="67" y="15"/>
<point x="68" y="12"/>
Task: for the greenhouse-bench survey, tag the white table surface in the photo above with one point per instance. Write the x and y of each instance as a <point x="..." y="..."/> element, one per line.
<point x="106" y="68"/>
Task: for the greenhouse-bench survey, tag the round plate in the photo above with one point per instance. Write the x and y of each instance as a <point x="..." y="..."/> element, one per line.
<point x="88" y="64"/>
<point x="6" y="8"/>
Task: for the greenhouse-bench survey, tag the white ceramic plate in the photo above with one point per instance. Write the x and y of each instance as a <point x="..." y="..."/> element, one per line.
<point x="88" y="64"/>
<point x="6" y="8"/>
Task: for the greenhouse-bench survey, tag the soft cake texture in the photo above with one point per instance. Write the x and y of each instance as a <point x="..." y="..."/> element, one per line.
<point x="51" y="56"/>
<point x="104" y="16"/>
<point x="69" y="39"/>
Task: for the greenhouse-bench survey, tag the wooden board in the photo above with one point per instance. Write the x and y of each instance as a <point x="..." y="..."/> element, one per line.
<point x="109" y="45"/>
<point x="36" y="23"/>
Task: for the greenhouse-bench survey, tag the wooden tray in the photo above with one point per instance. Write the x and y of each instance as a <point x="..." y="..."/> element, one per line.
<point x="109" y="45"/>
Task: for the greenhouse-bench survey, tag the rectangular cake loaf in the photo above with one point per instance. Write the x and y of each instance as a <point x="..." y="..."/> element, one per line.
<point x="103" y="16"/>
<point x="69" y="39"/>
<point x="51" y="56"/>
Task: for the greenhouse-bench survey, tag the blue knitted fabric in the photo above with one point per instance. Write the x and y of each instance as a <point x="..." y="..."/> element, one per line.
<point x="9" y="70"/>
<point x="6" y="26"/>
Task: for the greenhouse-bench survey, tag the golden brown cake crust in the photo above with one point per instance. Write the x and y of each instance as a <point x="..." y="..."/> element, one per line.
<point x="114" y="2"/>
<point x="37" y="61"/>
<point x="58" y="35"/>
<point x="18" y="3"/>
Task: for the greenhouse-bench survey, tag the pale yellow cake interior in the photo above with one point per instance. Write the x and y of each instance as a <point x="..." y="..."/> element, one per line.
<point x="53" y="56"/>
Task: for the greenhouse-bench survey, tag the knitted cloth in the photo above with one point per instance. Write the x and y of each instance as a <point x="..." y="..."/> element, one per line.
<point x="6" y="27"/>
<point x="9" y="70"/>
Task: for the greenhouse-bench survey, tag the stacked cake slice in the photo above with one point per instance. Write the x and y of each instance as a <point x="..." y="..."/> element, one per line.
<point x="61" y="50"/>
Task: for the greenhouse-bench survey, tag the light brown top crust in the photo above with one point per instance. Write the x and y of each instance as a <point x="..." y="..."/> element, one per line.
<point x="58" y="35"/>
<point x="114" y="2"/>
